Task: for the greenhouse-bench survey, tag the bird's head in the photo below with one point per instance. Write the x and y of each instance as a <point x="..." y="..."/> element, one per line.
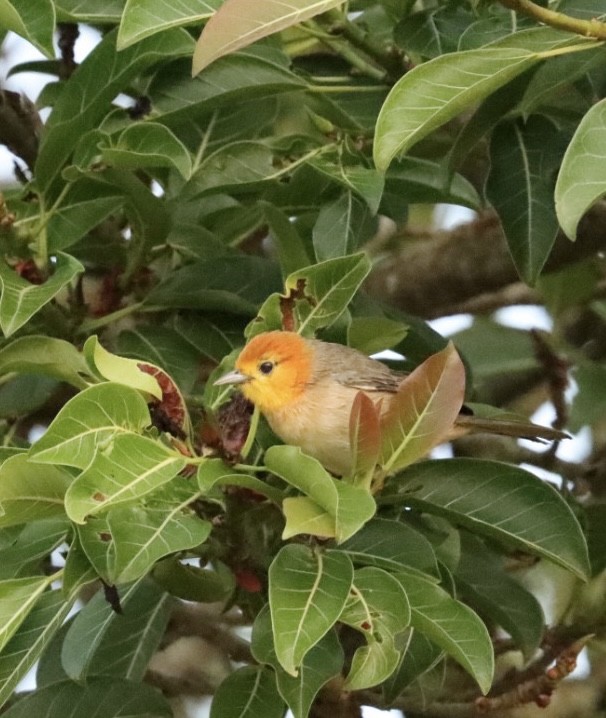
<point x="273" y="369"/>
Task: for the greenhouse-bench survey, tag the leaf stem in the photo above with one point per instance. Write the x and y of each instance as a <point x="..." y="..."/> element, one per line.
<point x="252" y="432"/>
<point x="90" y="325"/>
<point x="588" y="28"/>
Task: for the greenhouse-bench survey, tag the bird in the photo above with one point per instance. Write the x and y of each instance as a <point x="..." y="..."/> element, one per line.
<point x="306" y="388"/>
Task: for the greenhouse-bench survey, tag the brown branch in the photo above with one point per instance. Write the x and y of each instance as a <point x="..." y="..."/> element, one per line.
<point x="20" y="126"/>
<point x="437" y="275"/>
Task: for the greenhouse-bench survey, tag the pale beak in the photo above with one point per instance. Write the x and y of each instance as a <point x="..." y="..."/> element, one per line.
<point x="232" y="377"/>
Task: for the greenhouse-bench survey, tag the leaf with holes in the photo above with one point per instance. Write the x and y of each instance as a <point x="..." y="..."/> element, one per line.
<point x="128" y="467"/>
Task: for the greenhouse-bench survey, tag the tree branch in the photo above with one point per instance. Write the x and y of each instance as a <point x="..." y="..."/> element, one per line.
<point x="437" y="276"/>
<point x="588" y="28"/>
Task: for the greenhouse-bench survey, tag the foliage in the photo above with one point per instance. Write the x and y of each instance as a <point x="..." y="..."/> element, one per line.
<point x="148" y="237"/>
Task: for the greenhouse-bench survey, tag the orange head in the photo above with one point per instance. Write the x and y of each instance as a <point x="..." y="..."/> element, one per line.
<point x="273" y="368"/>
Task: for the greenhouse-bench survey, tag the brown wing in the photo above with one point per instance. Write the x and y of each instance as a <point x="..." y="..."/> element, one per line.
<point x="354" y="369"/>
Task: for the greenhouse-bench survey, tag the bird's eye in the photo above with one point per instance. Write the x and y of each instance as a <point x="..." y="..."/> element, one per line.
<point x="266" y="367"/>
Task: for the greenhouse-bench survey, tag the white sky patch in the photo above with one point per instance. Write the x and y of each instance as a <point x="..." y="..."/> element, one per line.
<point x="447" y="326"/>
<point x="524" y="316"/>
<point x="448" y="216"/>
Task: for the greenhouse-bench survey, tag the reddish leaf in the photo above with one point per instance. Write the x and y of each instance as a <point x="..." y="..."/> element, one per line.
<point x="170" y="414"/>
<point x="364" y="437"/>
<point x="422" y="413"/>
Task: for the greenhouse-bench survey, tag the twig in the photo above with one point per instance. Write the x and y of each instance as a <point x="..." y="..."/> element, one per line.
<point x="587" y="28"/>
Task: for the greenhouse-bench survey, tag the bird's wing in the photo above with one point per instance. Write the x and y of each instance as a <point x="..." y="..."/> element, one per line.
<point x="378" y="380"/>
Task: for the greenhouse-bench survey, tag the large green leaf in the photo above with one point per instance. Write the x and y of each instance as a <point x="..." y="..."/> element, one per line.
<point x="420" y="656"/>
<point x="18" y="596"/>
<point x="582" y="177"/>
<point x="231" y="80"/>
<point x="248" y="692"/>
<point x="102" y="697"/>
<point x="34" y="20"/>
<point x="34" y="543"/>
<point x="21" y="300"/>
<point x="500" y="501"/>
<point x="128" y="466"/>
<point x="379" y="608"/>
<point x="142" y="18"/>
<point x="322" y="662"/>
<point x="392" y="545"/>
<point x="31" y="639"/>
<point x="451" y="625"/>
<point x="93" y="92"/>
<point x="29" y="492"/>
<point x="423" y="410"/>
<point x="342" y="226"/>
<point x="492" y="591"/>
<point x="307" y="592"/>
<point x="95" y="12"/>
<point x="436" y="91"/>
<point x="523" y="163"/>
<point x="144" y="534"/>
<point x="101" y="641"/>
<point x="148" y="144"/>
<point x="45" y="355"/>
<point x="238" y="23"/>
<point x="342" y="508"/>
<point x="90" y="418"/>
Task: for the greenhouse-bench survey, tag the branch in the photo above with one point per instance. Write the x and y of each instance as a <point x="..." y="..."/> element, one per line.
<point x="20" y="126"/>
<point x="588" y="28"/>
<point x="437" y="275"/>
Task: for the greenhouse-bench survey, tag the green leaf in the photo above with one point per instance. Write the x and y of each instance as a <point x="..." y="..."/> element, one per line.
<point x="215" y="472"/>
<point x="249" y="692"/>
<point x="348" y="506"/>
<point x="423" y="411"/>
<point x="588" y="403"/>
<point x="392" y="545"/>
<point x="436" y="91"/>
<point x="142" y="18"/>
<point x="192" y="583"/>
<point x="92" y="417"/>
<point x="21" y="300"/>
<point x="420" y="656"/>
<point x="165" y="348"/>
<point x="35" y="542"/>
<point x="213" y="338"/>
<point x="29" y="492"/>
<point x="125" y="468"/>
<point x="342" y="226"/>
<point x="451" y="625"/>
<point x="93" y="12"/>
<point x="307" y="593"/>
<point x="248" y="75"/>
<point x="101" y="641"/>
<point x="237" y="24"/>
<point x="31" y="639"/>
<point x="45" y="355"/>
<point x="367" y="183"/>
<point x="118" y="369"/>
<point x="145" y="534"/>
<point x="18" y="597"/>
<point x="237" y="286"/>
<point x="379" y="608"/>
<point x="102" y="697"/>
<point x="419" y="181"/>
<point x="292" y="251"/>
<point x="328" y="287"/>
<point x="322" y="662"/>
<point x="489" y="589"/>
<point x="93" y="92"/>
<point x="499" y="501"/>
<point x="34" y="20"/>
<point x="375" y="334"/>
<point x="148" y="144"/>
<point x="582" y="177"/>
<point x="523" y="163"/>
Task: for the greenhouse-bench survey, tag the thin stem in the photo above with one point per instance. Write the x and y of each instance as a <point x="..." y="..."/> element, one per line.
<point x="252" y="432"/>
<point x="91" y="325"/>
<point x="204" y="144"/>
<point x="40" y="233"/>
<point x="588" y="28"/>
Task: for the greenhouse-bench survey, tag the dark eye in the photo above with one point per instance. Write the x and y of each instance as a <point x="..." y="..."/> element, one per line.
<point x="266" y="367"/>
